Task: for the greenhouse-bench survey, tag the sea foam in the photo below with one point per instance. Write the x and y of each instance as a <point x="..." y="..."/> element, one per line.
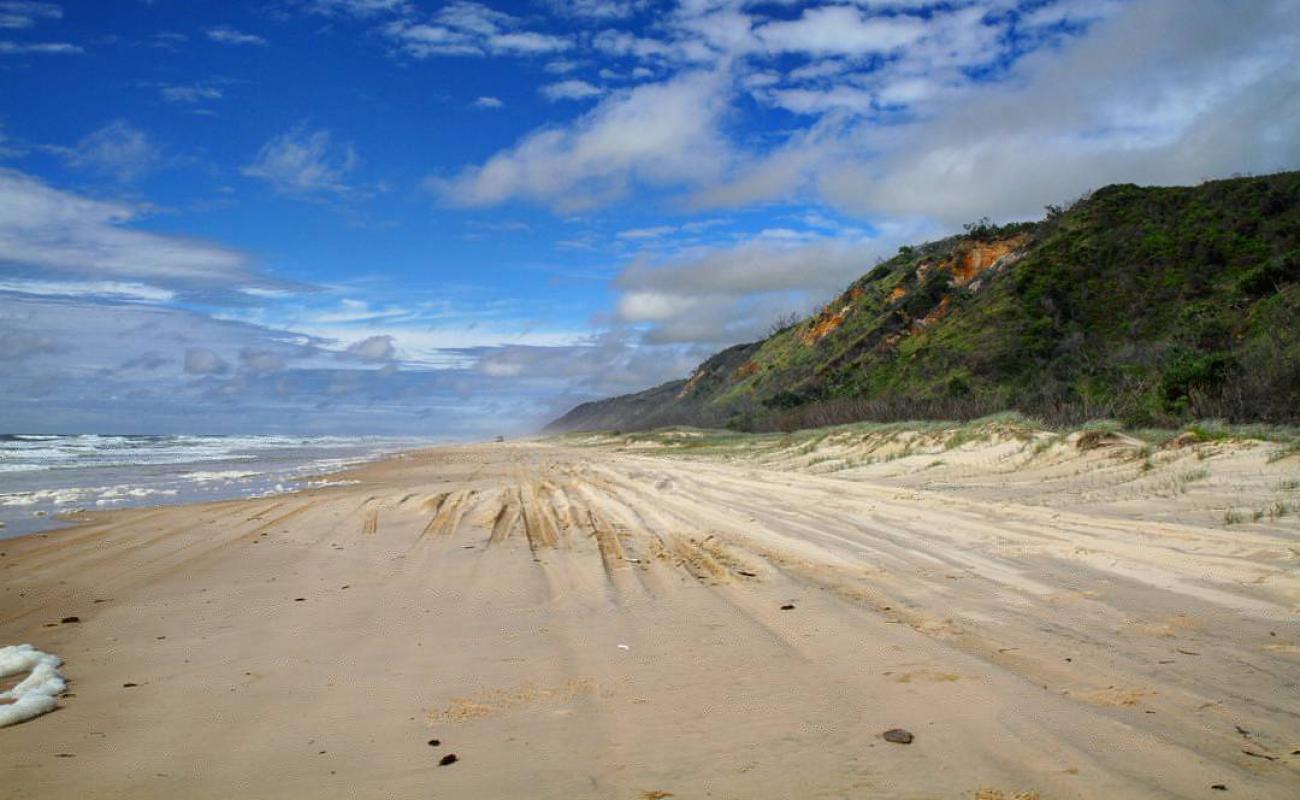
<point x="35" y="694"/>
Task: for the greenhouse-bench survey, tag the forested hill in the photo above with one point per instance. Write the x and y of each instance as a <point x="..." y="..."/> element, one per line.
<point x="1148" y="305"/>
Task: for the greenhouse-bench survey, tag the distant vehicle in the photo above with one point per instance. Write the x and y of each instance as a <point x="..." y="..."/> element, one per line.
<point x="501" y="438"/>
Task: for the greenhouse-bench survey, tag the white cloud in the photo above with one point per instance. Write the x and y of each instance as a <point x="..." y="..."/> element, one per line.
<point x="118" y="149"/>
<point x="45" y="228"/>
<point x="571" y="90"/>
<point x="822" y="101"/>
<point x="465" y="28"/>
<point x="487" y="101"/>
<point x="39" y="48"/>
<point x="722" y="295"/>
<point x="1154" y="94"/>
<point x="202" y="361"/>
<point x="117" y="290"/>
<point x="654" y="232"/>
<point x="26" y="13"/>
<point x="373" y="348"/>
<point x="660" y="134"/>
<point x="361" y="8"/>
<point x="190" y="93"/>
<point x="304" y="162"/>
<point x="841" y="31"/>
<point x="224" y="34"/>
<point x="598" y="9"/>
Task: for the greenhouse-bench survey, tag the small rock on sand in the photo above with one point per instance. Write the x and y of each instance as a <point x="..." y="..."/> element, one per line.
<point x="69" y="620"/>
<point x="897" y="736"/>
<point x="448" y="759"/>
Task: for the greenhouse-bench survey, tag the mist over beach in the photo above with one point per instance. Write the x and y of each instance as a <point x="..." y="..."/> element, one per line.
<point x="649" y="399"/>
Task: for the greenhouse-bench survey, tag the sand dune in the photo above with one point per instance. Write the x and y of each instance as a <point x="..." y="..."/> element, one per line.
<point x="626" y="618"/>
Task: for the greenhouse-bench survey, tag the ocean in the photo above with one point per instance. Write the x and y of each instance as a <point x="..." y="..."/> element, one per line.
<point x="45" y="480"/>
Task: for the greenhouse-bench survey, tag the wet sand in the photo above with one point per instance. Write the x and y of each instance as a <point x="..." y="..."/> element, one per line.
<point x="600" y="618"/>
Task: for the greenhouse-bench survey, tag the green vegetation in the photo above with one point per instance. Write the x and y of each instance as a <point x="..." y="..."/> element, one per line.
<point x="1153" y="307"/>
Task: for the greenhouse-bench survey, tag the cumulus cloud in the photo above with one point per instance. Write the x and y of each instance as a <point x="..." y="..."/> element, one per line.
<point x="304" y="162"/>
<point x="841" y="31"/>
<point x="202" y="361"/>
<point x="488" y="101"/>
<point x="655" y="134"/>
<point x="373" y="348"/>
<point x="1155" y="94"/>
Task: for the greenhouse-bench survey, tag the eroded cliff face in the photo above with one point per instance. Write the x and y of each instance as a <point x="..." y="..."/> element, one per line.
<point x="831" y="317"/>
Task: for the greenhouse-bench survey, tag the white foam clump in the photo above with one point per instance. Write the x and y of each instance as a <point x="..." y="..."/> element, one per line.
<point x="36" y="694"/>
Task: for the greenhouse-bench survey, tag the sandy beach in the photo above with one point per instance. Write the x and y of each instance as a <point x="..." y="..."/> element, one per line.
<point x="623" y="617"/>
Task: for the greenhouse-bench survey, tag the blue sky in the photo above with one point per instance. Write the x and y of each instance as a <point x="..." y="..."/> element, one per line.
<point x="458" y="219"/>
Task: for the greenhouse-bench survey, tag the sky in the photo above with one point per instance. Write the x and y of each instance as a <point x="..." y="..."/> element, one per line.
<point x="458" y="219"/>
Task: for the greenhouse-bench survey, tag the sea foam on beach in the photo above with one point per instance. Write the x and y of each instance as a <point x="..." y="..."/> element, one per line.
<point x="34" y="695"/>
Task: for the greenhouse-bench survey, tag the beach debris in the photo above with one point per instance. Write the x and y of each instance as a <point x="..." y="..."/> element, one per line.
<point x="746" y="573"/>
<point x="299" y="599"/>
<point x="35" y="694"/>
<point x="622" y="646"/>
<point x="70" y="620"/>
<point x="788" y="607"/>
<point x="1219" y="787"/>
<point x="447" y="760"/>
<point x="129" y="685"/>
<point x="435" y="742"/>
<point x="897" y="736"/>
<point x="1264" y="756"/>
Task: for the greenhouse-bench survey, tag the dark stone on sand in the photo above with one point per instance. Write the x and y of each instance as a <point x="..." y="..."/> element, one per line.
<point x="746" y="573"/>
<point x="447" y="760"/>
<point x="788" y="607"/>
<point x="897" y="736"/>
<point x="67" y="620"/>
<point x="299" y="599"/>
<point x="1219" y="787"/>
<point x="435" y="742"/>
<point x="129" y="685"/>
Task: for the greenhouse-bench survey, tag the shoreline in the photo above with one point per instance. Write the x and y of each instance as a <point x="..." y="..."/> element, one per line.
<point x="607" y="617"/>
<point x="167" y="484"/>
